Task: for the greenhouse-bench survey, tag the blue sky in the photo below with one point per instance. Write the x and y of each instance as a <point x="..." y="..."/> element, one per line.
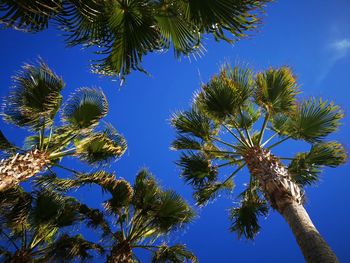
<point x="313" y="37"/>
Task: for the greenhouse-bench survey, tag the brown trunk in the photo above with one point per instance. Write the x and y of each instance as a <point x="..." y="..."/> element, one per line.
<point x="21" y="167"/>
<point x="285" y="196"/>
<point x="121" y="253"/>
<point x="311" y="243"/>
<point x="21" y="256"/>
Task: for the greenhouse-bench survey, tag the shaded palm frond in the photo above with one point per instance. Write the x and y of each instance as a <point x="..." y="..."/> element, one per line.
<point x="245" y="217"/>
<point x="28" y="15"/>
<point x="276" y="90"/>
<point x="306" y="167"/>
<point x="197" y="170"/>
<point x="211" y="190"/>
<point x="172" y="212"/>
<point x="183" y="142"/>
<point x="132" y="25"/>
<point x="85" y="108"/>
<point x="173" y="254"/>
<point x="193" y="123"/>
<point x="34" y="98"/>
<point x="67" y="248"/>
<point x="5" y="145"/>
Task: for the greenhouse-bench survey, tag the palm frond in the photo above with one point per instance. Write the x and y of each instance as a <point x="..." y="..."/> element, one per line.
<point x="85" y="108"/>
<point x="245" y="217"/>
<point x="313" y="120"/>
<point x="5" y="145"/>
<point x="173" y="254"/>
<point x="34" y="98"/>
<point x="134" y="35"/>
<point x="28" y="15"/>
<point x="276" y="90"/>
<point x="197" y="170"/>
<point x="67" y="248"/>
<point x="171" y="212"/>
<point x="211" y="190"/>
<point x="306" y="167"/>
<point x="183" y="142"/>
<point x="193" y="123"/>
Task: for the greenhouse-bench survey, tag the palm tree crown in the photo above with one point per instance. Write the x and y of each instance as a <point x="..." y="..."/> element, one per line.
<point x="36" y="225"/>
<point x="141" y="215"/>
<point x="235" y="121"/>
<point x="126" y="30"/>
<point x="34" y="103"/>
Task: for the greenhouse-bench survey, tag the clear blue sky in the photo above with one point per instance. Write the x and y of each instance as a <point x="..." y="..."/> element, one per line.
<point x="313" y="37"/>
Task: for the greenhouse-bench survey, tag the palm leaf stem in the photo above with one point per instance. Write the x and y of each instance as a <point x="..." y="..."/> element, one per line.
<point x="246" y="128"/>
<point x="10" y="239"/>
<point x="42" y="136"/>
<point x="269" y="139"/>
<point x="279" y="142"/>
<point x="242" y="140"/>
<point x="234" y="173"/>
<point x="223" y="142"/>
<point x="228" y="163"/>
<point x="139" y="234"/>
<point x="67" y="169"/>
<point x="50" y="137"/>
<point x="63" y="153"/>
<point x="261" y="135"/>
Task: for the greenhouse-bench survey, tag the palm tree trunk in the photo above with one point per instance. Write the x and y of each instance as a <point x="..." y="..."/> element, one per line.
<point x="286" y="197"/>
<point x="121" y="253"/>
<point x="313" y="246"/>
<point x="21" y="167"/>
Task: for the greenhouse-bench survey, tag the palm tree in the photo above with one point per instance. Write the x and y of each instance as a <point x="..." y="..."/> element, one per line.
<point x="35" y="225"/>
<point x="226" y="127"/>
<point x="141" y="215"/>
<point x="33" y="104"/>
<point x="126" y="30"/>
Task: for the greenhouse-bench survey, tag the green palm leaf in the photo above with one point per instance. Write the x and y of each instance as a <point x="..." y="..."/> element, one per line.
<point x="276" y="90"/>
<point x="306" y="167"/>
<point x="173" y="254"/>
<point x="85" y="108"/>
<point x="28" y="15"/>
<point x="313" y="120"/>
<point x="197" y="170"/>
<point x="245" y="217"/>
<point x="101" y="147"/>
<point x="34" y="98"/>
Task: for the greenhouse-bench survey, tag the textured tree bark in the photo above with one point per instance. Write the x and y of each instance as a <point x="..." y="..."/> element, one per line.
<point x="121" y="253"/>
<point x="286" y="197"/>
<point x="311" y="243"/>
<point x="21" y="167"/>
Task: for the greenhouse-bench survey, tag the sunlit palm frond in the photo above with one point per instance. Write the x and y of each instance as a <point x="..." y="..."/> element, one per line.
<point x="276" y="90"/>
<point x="134" y="35"/>
<point x="171" y="212"/>
<point x="85" y="108"/>
<point x="313" y="120"/>
<point x="306" y="167"/>
<point x="220" y="16"/>
<point x="176" y="30"/>
<point x="193" y="123"/>
<point x="28" y="15"/>
<point x="247" y="116"/>
<point x="245" y="217"/>
<point x="174" y="254"/>
<point x="211" y="190"/>
<point x="197" y="170"/>
<point x="66" y="248"/>
<point x="34" y="98"/>
<point x="101" y="147"/>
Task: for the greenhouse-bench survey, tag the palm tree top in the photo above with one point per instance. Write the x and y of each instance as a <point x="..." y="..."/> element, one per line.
<point x="127" y="30"/>
<point x="142" y="214"/>
<point x="238" y="113"/>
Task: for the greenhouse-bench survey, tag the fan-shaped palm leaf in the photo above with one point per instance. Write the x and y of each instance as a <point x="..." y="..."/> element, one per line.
<point x="276" y="90"/>
<point x="85" y="108"/>
<point x="35" y="97"/>
<point x="31" y="15"/>
<point x="173" y="254"/>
